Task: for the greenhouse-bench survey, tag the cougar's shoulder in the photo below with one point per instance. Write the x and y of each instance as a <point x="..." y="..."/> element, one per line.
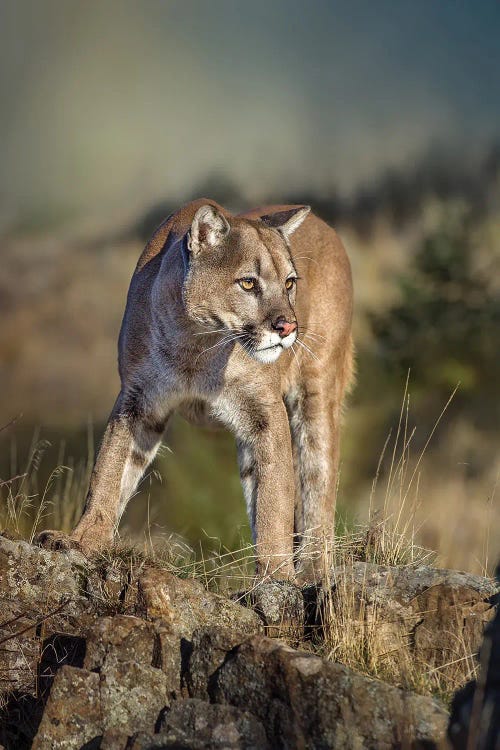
<point x="137" y="323"/>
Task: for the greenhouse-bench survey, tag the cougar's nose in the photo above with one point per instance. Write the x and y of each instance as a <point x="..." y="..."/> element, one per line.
<point x="283" y="327"/>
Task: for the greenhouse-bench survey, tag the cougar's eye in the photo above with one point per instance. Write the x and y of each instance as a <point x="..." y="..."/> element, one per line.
<point x="289" y="283"/>
<point x="247" y="284"/>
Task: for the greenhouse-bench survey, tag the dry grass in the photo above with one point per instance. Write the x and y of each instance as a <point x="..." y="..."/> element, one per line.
<point x="429" y="502"/>
<point x="351" y="632"/>
<point x="347" y="629"/>
<point x="359" y="635"/>
<point x="25" y="506"/>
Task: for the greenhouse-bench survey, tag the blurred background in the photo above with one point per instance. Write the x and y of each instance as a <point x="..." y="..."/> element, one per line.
<point x="384" y="117"/>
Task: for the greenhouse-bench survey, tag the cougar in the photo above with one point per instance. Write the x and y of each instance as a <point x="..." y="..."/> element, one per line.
<point x="242" y="321"/>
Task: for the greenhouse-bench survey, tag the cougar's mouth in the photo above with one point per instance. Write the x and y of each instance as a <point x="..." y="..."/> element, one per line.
<point x="268" y="354"/>
<point x="273" y="346"/>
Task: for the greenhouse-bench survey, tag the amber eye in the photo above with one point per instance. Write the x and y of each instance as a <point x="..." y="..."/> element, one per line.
<point x="289" y="283"/>
<point x="247" y="284"/>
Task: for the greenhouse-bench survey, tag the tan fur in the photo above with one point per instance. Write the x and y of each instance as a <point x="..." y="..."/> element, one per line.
<point x="285" y="414"/>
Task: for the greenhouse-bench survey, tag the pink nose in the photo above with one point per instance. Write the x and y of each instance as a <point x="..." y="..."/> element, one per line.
<point x="284" y="327"/>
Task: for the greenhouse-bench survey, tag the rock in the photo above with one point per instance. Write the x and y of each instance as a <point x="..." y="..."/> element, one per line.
<point x="186" y="605"/>
<point x="58" y="650"/>
<point x="171" y="652"/>
<point x="175" y="739"/>
<point x="126" y="656"/>
<point x="126" y="694"/>
<point x="196" y="724"/>
<point x="114" y="739"/>
<point x="72" y="717"/>
<point x="416" y="613"/>
<point x="216" y="725"/>
<point x="210" y="648"/>
<point x="33" y="573"/>
<point x="179" y="606"/>
<point x="52" y="600"/>
<point x="475" y="713"/>
<point x="39" y="591"/>
<point x="133" y="689"/>
<point x="121" y="638"/>
<point x="19" y="649"/>
<point x="280" y="605"/>
<point x="304" y="701"/>
<point x="132" y="696"/>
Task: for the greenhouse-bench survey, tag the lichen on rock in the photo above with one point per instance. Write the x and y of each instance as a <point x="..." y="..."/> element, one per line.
<point x="99" y="655"/>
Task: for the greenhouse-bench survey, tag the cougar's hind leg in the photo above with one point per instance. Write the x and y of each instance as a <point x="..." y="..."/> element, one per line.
<point x="292" y="403"/>
<point x="248" y="476"/>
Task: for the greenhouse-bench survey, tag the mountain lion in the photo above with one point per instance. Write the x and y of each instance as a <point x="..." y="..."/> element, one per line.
<point x="243" y="321"/>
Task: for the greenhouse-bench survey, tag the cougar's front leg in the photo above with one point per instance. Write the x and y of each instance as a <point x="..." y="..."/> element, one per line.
<point x="266" y="470"/>
<point x="130" y="442"/>
<point x="315" y="416"/>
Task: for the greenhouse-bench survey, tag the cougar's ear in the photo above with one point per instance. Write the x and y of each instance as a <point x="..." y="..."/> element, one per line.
<point x="287" y="221"/>
<point x="208" y="229"/>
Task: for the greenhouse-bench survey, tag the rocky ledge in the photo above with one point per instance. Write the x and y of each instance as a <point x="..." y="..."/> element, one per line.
<point x="127" y="656"/>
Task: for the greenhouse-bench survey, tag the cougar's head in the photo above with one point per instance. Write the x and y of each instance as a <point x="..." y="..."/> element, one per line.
<point x="241" y="281"/>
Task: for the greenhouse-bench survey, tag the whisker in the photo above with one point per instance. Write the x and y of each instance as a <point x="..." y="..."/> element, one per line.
<point x="313" y="337"/>
<point x="225" y="340"/>
<point x="314" y="333"/>
<point x="295" y="357"/>
<point x="247" y="346"/>
<point x="307" y="349"/>
<point x="216" y="330"/>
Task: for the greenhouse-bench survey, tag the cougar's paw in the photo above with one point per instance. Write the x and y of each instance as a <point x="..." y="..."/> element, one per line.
<point x="56" y="540"/>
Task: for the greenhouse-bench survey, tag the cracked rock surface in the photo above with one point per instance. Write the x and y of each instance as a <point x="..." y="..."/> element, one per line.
<point x="418" y="613"/>
<point x="104" y="655"/>
<point x="475" y="711"/>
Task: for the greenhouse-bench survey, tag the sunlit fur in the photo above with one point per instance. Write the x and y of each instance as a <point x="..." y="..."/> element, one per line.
<point x="216" y="298"/>
<point x="195" y="340"/>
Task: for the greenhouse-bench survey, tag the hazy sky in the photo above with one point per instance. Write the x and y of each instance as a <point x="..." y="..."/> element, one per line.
<point x="120" y="102"/>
